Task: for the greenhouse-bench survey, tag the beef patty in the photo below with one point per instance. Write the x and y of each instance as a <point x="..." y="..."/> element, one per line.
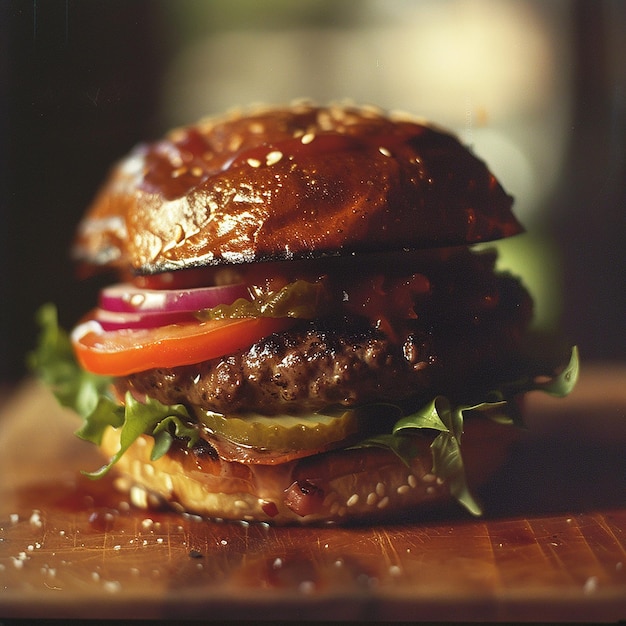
<point x="346" y="361"/>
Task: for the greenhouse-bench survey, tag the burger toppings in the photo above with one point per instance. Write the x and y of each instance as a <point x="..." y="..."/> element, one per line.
<point x="110" y="320"/>
<point x="376" y="419"/>
<point x="391" y="338"/>
<point x="122" y="352"/>
<point x="126" y="298"/>
<point x="276" y="433"/>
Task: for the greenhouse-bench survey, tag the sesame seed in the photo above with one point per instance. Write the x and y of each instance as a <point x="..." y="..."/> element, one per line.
<point x="412" y="481"/>
<point x="196" y="171"/>
<point x="353" y="499"/>
<point x="254" y="162"/>
<point x="370" y="110"/>
<point x="273" y="157"/>
<point x="430" y="490"/>
<point x="403" y="489"/>
<point x="591" y="584"/>
<point x="112" y="586"/>
<point x="176" y="161"/>
<point x="307" y="138"/>
<point x="35" y="519"/>
<point x="179" y="172"/>
<point x="139" y="497"/>
<point x="429" y="478"/>
<point x="325" y="120"/>
<point x="235" y="142"/>
<point x="384" y="151"/>
<point x="372" y="498"/>
<point x="306" y="586"/>
<point x="380" y="489"/>
<point x="383" y="503"/>
<point x="136" y="299"/>
<point x="337" y="112"/>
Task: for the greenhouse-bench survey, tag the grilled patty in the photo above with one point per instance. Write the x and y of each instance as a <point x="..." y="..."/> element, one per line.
<point x="344" y="360"/>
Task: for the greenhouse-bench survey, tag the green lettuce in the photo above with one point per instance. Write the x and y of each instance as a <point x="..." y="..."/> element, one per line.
<point x="92" y="397"/>
<point x="446" y="418"/>
<point x="54" y="363"/>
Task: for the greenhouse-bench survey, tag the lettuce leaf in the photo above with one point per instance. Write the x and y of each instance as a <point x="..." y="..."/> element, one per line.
<point x="136" y="418"/>
<point x="91" y="396"/>
<point x="446" y="419"/>
<point x="54" y="363"/>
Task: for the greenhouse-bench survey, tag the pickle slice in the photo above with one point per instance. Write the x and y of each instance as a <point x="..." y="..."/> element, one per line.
<point x="282" y="432"/>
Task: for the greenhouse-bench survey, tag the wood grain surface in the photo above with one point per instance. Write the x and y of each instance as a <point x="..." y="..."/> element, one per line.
<point x="550" y="547"/>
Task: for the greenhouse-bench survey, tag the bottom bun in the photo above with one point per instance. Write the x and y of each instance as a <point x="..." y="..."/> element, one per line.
<point x="340" y="486"/>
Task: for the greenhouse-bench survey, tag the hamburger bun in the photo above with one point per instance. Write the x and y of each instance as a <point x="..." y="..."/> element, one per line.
<point x="342" y="486"/>
<point x="295" y="182"/>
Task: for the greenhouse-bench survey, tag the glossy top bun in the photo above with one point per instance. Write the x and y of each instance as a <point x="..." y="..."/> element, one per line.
<point x="293" y="182"/>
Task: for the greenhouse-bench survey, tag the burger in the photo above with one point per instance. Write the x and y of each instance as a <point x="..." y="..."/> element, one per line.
<point x="300" y="323"/>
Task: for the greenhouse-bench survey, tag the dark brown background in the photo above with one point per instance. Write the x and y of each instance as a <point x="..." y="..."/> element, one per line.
<point x="81" y="83"/>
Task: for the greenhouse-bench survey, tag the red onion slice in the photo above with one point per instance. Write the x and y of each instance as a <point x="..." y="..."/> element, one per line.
<point x="113" y="320"/>
<point x="126" y="298"/>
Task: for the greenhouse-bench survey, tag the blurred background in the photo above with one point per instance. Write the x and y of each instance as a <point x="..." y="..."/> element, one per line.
<point x="536" y="88"/>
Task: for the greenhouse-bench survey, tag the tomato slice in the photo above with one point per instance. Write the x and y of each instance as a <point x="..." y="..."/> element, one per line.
<point x="127" y="351"/>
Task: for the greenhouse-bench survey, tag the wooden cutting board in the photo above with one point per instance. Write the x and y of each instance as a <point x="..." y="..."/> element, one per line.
<point x="552" y="545"/>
